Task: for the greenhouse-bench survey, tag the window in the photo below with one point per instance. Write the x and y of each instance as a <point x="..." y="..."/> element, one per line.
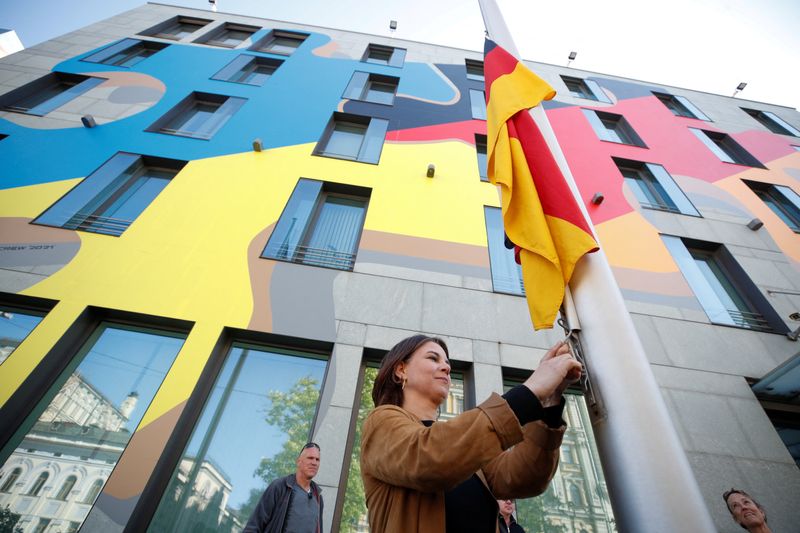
<point x="723" y="289"/>
<point x="613" y="128"/>
<point x="480" y="149"/>
<point x="15" y="326"/>
<point x="477" y="100"/>
<point x="580" y="469"/>
<point x="384" y="55"/>
<point x="48" y="93"/>
<point x="176" y="28"/>
<point x="252" y="70"/>
<point x="321" y="225"/>
<point x="254" y="423"/>
<point x="373" y="88"/>
<point x="280" y="42"/>
<point x="354" y="514"/>
<point x="93" y="407"/>
<point x="725" y="148"/>
<point x="126" y="53"/>
<point x="229" y="35"/>
<point x="474" y="70"/>
<point x="353" y="137"/>
<point x="113" y="196"/>
<point x="654" y="188"/>
<point x="94" y="491"/>
<point x="66" y="488"/>
<point x="199" y="115"/>
<point x="506" y="273"/>
<point x="586" y="89"/>
<point x="773" y="122"/>
<point x="782" y="200"/>
<point x="36" y="488"/>
<point x="680" y="106"/>
<point x="41" y="526"/>
<point x="11" y="480"/>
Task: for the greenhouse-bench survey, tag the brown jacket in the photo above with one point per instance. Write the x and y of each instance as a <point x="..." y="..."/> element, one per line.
<point x="407" y="467"/>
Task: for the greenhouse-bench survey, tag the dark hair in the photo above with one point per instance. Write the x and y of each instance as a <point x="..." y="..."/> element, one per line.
<point x="728" y="493"/>
<point x="388" y="391"/>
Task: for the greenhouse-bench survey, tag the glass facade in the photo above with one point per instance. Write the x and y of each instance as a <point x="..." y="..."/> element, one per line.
<point x="15" y="325"/>
<point x="253" y="426"/>
<point x="577" y="498"/>
<point x="506" y="272"/>
<point x="59" y="459"/>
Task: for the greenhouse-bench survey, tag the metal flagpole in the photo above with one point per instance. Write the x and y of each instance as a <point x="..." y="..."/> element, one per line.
<point x="651" y="484"/>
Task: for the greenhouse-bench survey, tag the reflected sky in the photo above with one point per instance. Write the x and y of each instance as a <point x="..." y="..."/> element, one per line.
<point x="124" y="361"/>
<point x="242" y="436"/>
<point x="14" y="327"/>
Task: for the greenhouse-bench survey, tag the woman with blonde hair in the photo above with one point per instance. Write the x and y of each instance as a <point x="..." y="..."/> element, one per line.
<point x="426" y="477"/>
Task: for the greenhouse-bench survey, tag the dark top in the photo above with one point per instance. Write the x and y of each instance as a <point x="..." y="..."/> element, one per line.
<point x="513" y="528"/>
<point x="470" y="506"/>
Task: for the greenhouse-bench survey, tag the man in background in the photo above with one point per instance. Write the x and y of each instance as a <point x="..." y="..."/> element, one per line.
<point x="291" y="504"/>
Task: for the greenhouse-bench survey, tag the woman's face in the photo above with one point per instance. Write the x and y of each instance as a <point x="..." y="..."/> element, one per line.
<point x="427" y="373"/>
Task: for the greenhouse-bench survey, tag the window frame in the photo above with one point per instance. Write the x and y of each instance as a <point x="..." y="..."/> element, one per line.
<point x="655" y="179"/>
<point x="374" y="128"/>
<point x="265" y="44"/>
<point x="321" y="190"/>
<point x="477" y="102"/>
<point x="772" y="122"/>
<point x="396" y="57"/>
<point x="244" y="61"/>
<point x="785" y="202"/>
<point x="125" y="46"/>
<point x="160" y="30"/>
<point x="212" y="38"/>
<point x="358" y="88"/>
<point x="758" y="314"/>
<point x="68" y="86"/>
<point x="226" y="108"/>
<point x="158" y="482"/>
<point x="474" y="70"/>
<point x="600" y="120"/>
<point x="110" y="172"/>
<point x="501" y="248"/>
<point x="680" y="106"/>
<point x="483" y="168"/>
<point x="725" y="148"/>
<point x="585" y="89"/>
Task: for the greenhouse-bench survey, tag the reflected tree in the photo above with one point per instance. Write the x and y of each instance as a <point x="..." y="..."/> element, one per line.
<point x="8" y="521"/>
<point x="291" y="412"/>
<point x="532" y="513"/>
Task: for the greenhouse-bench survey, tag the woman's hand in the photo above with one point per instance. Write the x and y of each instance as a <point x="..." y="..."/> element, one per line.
<point x="557" y="370"/>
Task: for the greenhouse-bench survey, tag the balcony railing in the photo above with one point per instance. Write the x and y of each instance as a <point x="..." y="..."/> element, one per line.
<point x="98" y="224"/>
<point x="325" y="257"/>
<point x="749" y="319"/>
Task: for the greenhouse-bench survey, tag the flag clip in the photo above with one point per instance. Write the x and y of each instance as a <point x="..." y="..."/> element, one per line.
<point x="593" y="400"/>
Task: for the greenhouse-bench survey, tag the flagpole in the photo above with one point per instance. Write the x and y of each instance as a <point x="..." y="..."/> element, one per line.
<point x="651" y="484"/>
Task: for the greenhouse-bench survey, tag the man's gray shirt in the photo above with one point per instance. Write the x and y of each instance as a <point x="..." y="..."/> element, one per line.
<point x="303" y="514"/>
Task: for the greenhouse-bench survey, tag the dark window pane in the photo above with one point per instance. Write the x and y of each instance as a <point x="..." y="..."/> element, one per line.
<point x="506" y="273"/>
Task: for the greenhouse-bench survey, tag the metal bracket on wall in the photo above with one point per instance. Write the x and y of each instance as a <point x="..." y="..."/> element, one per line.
<point x="572" y="327"/>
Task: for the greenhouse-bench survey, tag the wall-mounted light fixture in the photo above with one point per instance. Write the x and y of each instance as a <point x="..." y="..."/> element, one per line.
<point x="257" y="145"/>
<point x="392" y="25"/>
<point x="572" y="56"/>
<point x="739" y="87"/>
<point x="88" y="121"/>
<point x="431" y="170"/>
<point x="598" y="198"/>
<point x="755" y="224"/>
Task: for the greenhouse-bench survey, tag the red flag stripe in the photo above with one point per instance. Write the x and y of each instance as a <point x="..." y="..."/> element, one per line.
<point x="497" y="63"/>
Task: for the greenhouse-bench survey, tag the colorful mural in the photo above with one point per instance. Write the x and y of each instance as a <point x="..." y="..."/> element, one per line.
<point x="195" y="252"/>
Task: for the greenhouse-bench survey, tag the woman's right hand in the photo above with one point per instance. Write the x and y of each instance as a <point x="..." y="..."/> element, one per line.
<point x="557" y="370"/>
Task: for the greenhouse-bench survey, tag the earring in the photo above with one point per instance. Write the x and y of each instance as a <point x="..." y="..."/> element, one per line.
<point x="403" y="386"/>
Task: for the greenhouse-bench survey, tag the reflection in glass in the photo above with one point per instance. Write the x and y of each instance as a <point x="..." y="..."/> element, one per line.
<point x="577" y="497"/>
<point x="14" y="327"/>
<point x="58" y="461"/>
<point x="254" y="424"/>
<point x="506" y="272"/>
<point x="354" y="512"/>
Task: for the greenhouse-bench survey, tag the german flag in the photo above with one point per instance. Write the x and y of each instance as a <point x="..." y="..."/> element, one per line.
<point x="540" y="214"/>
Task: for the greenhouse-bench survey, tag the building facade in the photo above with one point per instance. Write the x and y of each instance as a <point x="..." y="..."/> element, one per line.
<point x="213" y="226"/>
